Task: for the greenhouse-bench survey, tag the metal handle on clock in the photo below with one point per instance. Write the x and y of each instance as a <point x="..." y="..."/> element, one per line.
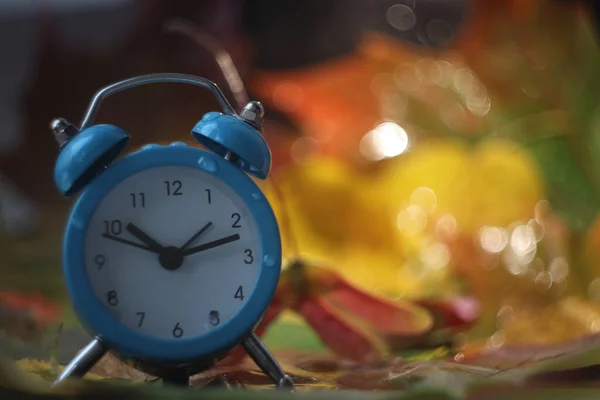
<point x="153" y="78"/>
<point x="265" y="361"/>
<point x="83" y="361"/>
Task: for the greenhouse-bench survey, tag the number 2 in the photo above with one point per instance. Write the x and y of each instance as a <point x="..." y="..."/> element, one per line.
<point x="236" y="223"/>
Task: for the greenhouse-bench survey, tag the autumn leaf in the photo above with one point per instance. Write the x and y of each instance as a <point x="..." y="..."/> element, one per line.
<point x="351" y="322"/>
<point x="386" y="317"/>
<point x="342" y="333"/>
<point x="26" y="316"/>
<point x="459" y="312"/>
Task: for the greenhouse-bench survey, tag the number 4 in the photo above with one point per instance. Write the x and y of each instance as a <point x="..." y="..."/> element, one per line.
<point x="239" y="294"/>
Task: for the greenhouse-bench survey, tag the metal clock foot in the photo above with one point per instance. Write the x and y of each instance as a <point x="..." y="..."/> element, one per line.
<point x="83" y="361"/>
<point x="265" y="361"/>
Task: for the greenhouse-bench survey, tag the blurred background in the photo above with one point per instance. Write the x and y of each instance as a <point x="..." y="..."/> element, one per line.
<point x="423" y="149"/>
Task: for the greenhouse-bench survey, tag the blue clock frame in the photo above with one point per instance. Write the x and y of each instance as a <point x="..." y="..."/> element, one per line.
<point x="96" y="317"/>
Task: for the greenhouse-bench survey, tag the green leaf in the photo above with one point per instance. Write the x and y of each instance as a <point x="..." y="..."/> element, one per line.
<point x="297" y="336"/>
<point x="569" y="191"/>
<point x="583" y="86"/>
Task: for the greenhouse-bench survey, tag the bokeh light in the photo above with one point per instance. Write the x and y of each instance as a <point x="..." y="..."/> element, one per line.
<point x="446" y="226"/>
<point x="559" y="269"/>
<point x="425" y="198"/>
<point x="493" y="239"/>
<point x="401" y="17"/>
<point x="385" y="141"/>
<point x="435" y="255"/>
<point x="412" y="220"/>
<point x="288" y="97"/>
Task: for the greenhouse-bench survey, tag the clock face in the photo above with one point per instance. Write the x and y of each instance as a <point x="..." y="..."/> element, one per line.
<point x="172" y="252"/>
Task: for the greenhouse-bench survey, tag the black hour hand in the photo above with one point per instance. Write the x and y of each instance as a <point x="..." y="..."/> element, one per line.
<point x="210" y="245"/>
<point x="144" y="238"/>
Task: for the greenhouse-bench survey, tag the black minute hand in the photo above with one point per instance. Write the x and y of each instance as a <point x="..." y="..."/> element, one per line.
<point x="210" y="245"/>
<point x="128" y="242"/>
<point x="196" y="236"/>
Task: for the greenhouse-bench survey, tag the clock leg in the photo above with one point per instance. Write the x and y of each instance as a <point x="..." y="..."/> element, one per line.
<point x="83" y="361"/>
<point x="265" y="361"/>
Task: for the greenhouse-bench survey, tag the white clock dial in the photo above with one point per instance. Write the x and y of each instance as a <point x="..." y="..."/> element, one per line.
<point x="171" y="292"/>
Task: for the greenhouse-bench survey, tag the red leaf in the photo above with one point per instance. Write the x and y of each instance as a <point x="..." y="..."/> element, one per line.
<point x="339" y="332"/>
<point x="386" y="317"/>
<point x="458" y="312"/>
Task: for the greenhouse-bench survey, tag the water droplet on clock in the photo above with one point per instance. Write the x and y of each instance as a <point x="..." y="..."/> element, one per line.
<point x="269" y="260"/>
<point x="207" y="164"/>
<point x="256" y="196"/>
<point x="150" y="146"/>
<point x="213" y="318"/>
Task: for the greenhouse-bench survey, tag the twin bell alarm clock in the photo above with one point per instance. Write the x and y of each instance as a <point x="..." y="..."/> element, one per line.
<point x="171" y="253"/>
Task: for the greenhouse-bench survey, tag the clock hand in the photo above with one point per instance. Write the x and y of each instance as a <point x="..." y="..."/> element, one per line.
<point x="144" y="238"/>
<point x="210" y="245"/>
<point x="200" y="232"/>
<point x="128" y="242"/>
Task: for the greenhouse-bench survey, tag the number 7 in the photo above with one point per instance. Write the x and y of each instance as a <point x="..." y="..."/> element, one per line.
<point x="142" y="315"/>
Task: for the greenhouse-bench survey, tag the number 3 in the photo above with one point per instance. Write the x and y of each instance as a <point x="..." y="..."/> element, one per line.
<point x="249" y="258"/>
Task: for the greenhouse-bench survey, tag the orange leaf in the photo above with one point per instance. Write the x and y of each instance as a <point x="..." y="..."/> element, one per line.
<point x="339" y="332"/>
<point x="26" y="315"/>
<point x="41" y="307"/>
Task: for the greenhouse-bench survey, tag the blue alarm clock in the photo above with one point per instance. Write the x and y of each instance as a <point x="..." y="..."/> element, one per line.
<point x="172" y="253"/>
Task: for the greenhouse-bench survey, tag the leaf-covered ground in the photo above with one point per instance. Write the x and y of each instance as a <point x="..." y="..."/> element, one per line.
<point x="569" y="371"/>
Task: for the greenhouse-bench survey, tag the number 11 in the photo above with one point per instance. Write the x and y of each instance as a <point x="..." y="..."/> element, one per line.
<point x="135" y="202"/>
